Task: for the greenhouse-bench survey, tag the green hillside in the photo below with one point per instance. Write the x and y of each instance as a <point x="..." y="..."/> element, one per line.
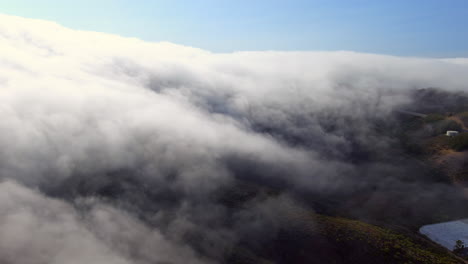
<point x="313" y="238"/>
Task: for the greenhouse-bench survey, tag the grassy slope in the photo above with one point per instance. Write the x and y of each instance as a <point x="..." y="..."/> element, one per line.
<point x="312" y="238"/>
<point x="426" y="138"/>
<point x="389" y="245"/>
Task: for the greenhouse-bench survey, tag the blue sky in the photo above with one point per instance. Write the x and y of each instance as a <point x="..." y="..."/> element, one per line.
<point x="436" y="28"/>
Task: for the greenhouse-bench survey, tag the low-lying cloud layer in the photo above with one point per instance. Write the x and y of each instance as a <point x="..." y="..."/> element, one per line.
<point x="115" y="150"/>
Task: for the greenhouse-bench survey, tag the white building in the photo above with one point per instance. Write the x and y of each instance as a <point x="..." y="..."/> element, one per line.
<point x="451" y="133"/>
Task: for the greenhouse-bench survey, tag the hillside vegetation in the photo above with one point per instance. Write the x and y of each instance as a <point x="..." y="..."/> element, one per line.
<point x="425" y="137"/>
<point x="313" y="238"/>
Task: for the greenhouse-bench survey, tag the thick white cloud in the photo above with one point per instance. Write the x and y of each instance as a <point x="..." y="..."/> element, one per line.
<point x="74" y="100"/>
<point x="36" y="229"/>
<point x="86" y="103"/>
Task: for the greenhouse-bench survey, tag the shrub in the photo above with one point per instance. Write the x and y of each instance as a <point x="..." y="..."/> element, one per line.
<point x="431" y="118"/>
<point x="464" y="118"/>
<point x="459" y="142"/>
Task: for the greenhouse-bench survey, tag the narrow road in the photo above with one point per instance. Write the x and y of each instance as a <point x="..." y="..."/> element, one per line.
<point x="410" y="113"/>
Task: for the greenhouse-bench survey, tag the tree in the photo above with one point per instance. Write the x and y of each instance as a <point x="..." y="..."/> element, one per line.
<point x="459" y="246"/>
